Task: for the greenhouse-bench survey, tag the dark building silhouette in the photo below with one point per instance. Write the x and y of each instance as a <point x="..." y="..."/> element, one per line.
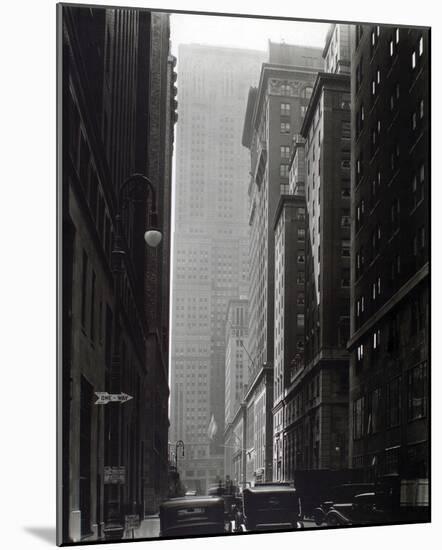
<point x="389" y="343"/>
<point x="117" y="115"/>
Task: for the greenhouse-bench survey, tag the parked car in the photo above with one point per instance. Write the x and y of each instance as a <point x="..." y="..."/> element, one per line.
<point x="341" y="495"/>
<point x="269" y="508"/>
<point x="232" y="503"/>
<point x="365" y="509"/>
<point x="186" y="516"/>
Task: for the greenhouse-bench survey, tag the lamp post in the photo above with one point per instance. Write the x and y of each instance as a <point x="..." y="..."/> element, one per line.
<point x="178" y="445"/>
<point x="114" y="525"/>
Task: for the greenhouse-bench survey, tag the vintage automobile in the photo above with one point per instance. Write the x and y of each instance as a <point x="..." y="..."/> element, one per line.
<point x="365" y="509"/>
<point x="232" y="503"/>
<point x="186" y="516"/>
<point x="270" y="508"/>
<point x="339" y="495"/>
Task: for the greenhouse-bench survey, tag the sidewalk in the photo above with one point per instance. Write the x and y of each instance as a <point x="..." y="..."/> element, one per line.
<point x="149" y="528"/>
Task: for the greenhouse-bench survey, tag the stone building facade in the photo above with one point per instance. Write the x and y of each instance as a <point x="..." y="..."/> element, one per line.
<point x="390" y="324"/>
<point x="274" y="114"/>
<point x="105" y="108"/>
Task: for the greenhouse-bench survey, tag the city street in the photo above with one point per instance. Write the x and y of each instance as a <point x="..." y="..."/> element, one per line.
<point x="149" y="528"/>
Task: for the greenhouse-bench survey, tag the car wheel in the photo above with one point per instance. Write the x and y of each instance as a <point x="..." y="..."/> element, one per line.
<point x="332" y="521"/>
<point x="318" y="518"/>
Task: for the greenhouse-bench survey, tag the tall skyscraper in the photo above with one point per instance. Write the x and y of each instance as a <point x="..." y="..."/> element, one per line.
<point x="389" y="343"/>
<point x="237" y="363"/>
<point x="321" y="406"/>
<point x="211" y="246"/>
<point x="275" y="112"/>
<point x="289" y="310"/>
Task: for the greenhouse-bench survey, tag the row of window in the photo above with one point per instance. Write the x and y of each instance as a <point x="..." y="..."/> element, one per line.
<point x="417" y="187"/>
<point x="382" y="407"/>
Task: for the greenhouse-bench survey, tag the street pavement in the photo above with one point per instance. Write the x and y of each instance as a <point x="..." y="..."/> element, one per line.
<point x="149" y="528"/>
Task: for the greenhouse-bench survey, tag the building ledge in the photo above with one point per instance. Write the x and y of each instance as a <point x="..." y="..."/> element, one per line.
<point x="417" y="278"/>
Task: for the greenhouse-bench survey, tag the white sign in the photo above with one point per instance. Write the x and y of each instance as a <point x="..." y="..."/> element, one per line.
<point x="104" y="397"/>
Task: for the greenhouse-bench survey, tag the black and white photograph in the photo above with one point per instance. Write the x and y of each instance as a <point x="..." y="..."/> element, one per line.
<point x="244" y="240"/>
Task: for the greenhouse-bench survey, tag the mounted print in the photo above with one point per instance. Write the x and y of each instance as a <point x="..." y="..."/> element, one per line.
<point x="244" y="290"/>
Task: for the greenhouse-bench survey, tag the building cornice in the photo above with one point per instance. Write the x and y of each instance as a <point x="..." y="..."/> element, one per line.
<point x="264" y="371"/>
<point x="402" y="293"/>
<point x="321" y="80"/>
<point x="283" y="200"/>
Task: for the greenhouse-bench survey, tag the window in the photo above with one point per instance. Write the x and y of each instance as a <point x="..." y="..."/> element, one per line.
<point x="359" y="261"/>
<point x="358" y="418"/>
<point x="421" y="109"/>
<point x="376" y="339"/>
<point x="345" y="218"/>
<point x="422" y="237"/>
<point x="418" y="185"/>
<point x="301" y="233"/>
<point x="285" y="127"/>
<point x="285" y="152"/>
<point x="285" y="109"/>
<point x="345" y="277"/>
<point x="300" y="213"/>
<point x="300" y="278"/>
<point x="359" y="32"/>
<point x="359" y="74"/>
<point x="393" y="415"/>
<point x="413" y="60"/>
<point x="421" y="45"/>
<point x="359" y="169"/>
<point x="374" y="411"/>
<point x="397" y="36"/>
<point x="360" y="352"/>
<point x="300" y="320"/>
<point x="300" y="300"/>
<point x="307" y="92"/>
<point x="345" y="249"/>
<point x="394" y="158"/>
<point x="345" y="130"/>
<point x="301" y="258"/>
<point x="284" y="170"/>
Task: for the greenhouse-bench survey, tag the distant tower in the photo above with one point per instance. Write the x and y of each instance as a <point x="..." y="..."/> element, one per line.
<point x="210" y="258"/>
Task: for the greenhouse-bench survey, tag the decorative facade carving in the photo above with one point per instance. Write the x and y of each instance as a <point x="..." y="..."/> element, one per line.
<point x="278" y="86"/>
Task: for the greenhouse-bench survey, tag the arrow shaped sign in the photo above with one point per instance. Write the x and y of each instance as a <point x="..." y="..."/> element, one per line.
<point x="105" y="397"/>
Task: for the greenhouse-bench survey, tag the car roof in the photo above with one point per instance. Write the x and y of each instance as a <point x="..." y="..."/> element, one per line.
<point x="270" y="489"/>
<point x="186" y="502"/>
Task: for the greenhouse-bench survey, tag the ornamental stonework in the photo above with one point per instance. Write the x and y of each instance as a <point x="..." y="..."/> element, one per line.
<point x="278" y="86"/>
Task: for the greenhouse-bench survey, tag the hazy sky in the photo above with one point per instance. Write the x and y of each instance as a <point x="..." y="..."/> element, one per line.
<point x="243" y="32"/>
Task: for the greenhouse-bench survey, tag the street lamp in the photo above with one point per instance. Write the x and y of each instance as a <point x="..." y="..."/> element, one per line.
<point x="179" y="445"/>
<point x="152" y="236"/>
